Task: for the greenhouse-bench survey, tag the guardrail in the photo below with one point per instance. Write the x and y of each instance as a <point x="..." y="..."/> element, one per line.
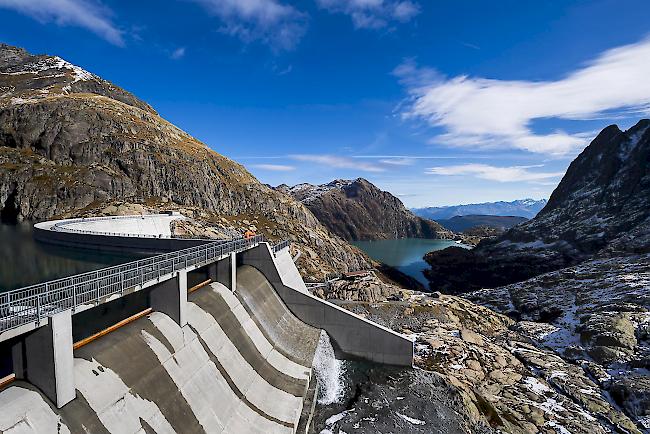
<point x="37" y="302"/>
<point x="281" y="245"/>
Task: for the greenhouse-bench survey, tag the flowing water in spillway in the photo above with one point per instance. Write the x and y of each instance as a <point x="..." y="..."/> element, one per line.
<point x="329" y="371"/>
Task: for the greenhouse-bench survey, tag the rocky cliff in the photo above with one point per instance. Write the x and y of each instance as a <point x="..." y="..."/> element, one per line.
<point x="72" y="143"/>
<point x="600" y="208"/>
<point x="358" y="210"/>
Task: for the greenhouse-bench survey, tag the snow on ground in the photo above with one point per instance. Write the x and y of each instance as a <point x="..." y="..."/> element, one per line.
<point x="411" y="420"/>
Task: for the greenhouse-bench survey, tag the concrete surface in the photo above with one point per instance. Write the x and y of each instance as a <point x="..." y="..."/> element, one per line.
<point x="351" y="335"/>
<point x="220" y="374"/>
<point x="170" y="298"/>
<point x="44" y="358"/>
<point x="156" y="225"/>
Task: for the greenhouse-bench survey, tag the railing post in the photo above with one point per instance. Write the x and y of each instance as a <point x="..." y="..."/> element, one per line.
<point x="38" y="306"/>
<point x="96" y="291"/>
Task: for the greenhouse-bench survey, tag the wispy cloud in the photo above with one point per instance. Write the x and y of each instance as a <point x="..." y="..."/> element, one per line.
<point x="397" y="161"/>
<point x="91" y="15"/>
<point x="178" y="53"/>
<point x="338" y="162"/>
<point x="493" y="173"/>
<point x="373" y="14"/>
<point x="274" y="167"/>
<point x="277" y="24"/>
<point x="481" y="112"/>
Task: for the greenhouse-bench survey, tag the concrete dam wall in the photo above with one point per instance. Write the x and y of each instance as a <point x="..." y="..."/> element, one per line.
<point x="216" y="338"/>
<point x="234" y="368"/>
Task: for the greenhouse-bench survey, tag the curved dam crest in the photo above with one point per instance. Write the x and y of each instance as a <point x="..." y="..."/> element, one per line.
<point x="233" y="354"/>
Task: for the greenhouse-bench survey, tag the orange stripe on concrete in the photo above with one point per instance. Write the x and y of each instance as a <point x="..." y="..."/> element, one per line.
<point x="7" y="380"/>
<point x="112" y="328"/>
<point x="200" y="285"/>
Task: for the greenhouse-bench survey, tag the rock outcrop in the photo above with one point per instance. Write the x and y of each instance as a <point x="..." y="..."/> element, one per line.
<point x="358" y="210"/>
<point x="600" y="208"/>
<point x="595" y="315"/>
<point x="499" y="378"/>
<point x="72" y="144"/>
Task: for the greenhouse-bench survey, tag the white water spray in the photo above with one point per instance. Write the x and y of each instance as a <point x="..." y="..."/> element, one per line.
<point x="329" y="372"/>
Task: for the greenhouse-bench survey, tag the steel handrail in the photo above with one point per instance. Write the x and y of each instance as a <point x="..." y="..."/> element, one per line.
<point x="281" y="245"/>
<point x="37" y="302"/>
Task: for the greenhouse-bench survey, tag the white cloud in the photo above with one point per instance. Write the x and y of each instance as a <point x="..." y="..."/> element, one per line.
<point x="492" y="173"/>
<point x="397" y="161"/>
<point x="178" y="53"/>
<point x="279" y="25"/>
<point x="274" y="167"/>
<point x="481" y="112"/>
<point x="88" y="14"/>
<point x="338" y="162"/>
<point x="373" y="14"/>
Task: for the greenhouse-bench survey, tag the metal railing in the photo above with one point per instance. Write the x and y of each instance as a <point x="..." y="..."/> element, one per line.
<point x="281" y="245"/>
<point x="37" y="302"/>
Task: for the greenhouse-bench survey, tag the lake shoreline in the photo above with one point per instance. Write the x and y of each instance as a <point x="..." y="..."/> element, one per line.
<point x="405" y="254"/>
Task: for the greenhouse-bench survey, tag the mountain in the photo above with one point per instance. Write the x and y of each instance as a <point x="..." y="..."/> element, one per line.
<point x="358" y="210"/>
<point x="522" y="208"/>
<point x="74" y="144"/>
<point x="461" y="223"/>
<point x="601" y="208"/>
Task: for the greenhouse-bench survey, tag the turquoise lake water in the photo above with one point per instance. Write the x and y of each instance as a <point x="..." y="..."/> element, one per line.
<point x="405" y="254"/>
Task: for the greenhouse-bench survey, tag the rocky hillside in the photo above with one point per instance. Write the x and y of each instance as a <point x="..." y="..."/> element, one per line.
<point x="358" y="210"/>
<point x="600" y="208"/>
<point x="523" y="208"/>
<point x="72" y="143"/>
<point x="481" y="372"/>
<point x="595" y="315"/>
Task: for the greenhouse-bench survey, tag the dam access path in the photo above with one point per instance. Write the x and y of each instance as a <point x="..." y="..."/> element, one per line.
<point x="218" y="337"/>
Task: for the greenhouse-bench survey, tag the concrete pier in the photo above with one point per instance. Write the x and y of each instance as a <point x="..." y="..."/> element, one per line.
<point x="170" y="298"/>
<point x="225" y="272"/>
<point x="44" y="358"/>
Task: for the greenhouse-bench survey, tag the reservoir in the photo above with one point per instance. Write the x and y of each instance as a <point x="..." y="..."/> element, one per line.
<point x="23" y="261"/>
<point x="405" y="254"/>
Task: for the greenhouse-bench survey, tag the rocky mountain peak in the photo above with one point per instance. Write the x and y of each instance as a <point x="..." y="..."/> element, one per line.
<point x="358" y="210"/>
<point x="601" y="207"/>
<point x="27" y="78"/>
<point x="11" y="55"/>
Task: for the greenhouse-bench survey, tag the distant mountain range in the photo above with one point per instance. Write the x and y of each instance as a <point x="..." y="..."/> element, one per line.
<point x="521" y="208"/>
<point x="358" y="210"/>
<point x="462" y="223"/>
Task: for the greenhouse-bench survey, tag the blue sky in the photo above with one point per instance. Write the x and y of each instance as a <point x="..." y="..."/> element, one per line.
<point x="439" y="102"/>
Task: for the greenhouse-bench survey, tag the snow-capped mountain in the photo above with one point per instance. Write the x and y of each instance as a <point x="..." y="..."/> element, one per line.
<point x="518" y="208"/>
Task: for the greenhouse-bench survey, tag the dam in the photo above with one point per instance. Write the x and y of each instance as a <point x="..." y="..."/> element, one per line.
<point x="216" y="337"/>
